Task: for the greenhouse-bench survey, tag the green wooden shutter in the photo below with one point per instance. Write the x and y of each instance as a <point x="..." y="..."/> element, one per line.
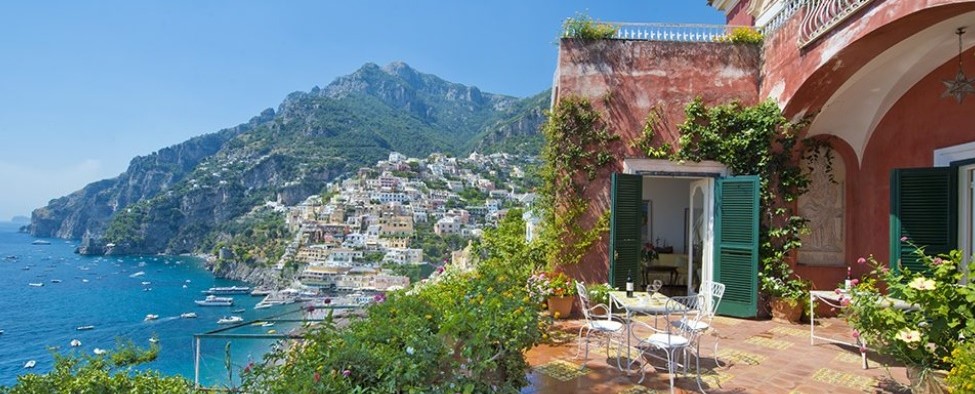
<point x="923" y="208"/>
<point x="736" y="233"/>
<point x="624" y="233"/>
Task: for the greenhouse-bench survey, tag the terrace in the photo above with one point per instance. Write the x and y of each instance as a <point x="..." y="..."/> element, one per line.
<point x="762" y="356"/>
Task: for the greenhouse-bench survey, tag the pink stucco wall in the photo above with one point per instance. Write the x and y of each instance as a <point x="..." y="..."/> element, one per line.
<point x="626" y="79"/>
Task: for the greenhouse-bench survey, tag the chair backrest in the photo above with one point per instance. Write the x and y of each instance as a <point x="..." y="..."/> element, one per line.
<point x="687" y="311"/>
<point x="714" y="292"/>
<point x="583" y="298"/>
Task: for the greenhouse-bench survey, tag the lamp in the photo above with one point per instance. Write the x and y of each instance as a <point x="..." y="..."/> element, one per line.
<point x="961" y="85"/>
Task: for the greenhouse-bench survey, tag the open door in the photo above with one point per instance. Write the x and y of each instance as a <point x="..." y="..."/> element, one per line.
<point x="736" y="249"/>
<point x="923" y="208"/>
<point x="699" y="236"/>
<point x="624" y="229"/>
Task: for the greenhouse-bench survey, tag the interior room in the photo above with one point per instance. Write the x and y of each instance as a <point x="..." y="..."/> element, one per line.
<point x="667" y="225"/>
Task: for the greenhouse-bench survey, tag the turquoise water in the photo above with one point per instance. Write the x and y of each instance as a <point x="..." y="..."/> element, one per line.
<point x="35" y="319"/>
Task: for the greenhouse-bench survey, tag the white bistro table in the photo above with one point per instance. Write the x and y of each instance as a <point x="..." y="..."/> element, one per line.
<point x="640" y="303"/>
<point x="834" y="299"/>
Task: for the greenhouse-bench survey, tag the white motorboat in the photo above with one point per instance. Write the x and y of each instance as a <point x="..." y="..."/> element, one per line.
<point x="260" y="292"/>
<point x="1" y="332"/>
<point x="230" y="320"/>
<point x="99" y="351"/>
<point x="147" y="283"/>
<point x="227" y="290"/>
<point x="75" y="343"/>
<point x="36" y="284"/>
<point x="151" y="317"/>
<point x="30" y="364"/>
<point x="215" y="301"/>
<point x="137" y="274"/>
<point x="153" y="340"/>
<point x="84" y="281"/>
<point x="188" y="315"/>
<point x="55" y="280"/>
<point x="85" y="328"/>
<point x="267" y="324"/>
<point x="41" y="242"/>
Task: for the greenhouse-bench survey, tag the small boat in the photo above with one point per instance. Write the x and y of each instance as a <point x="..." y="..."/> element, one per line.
<point x="137" y="274"/>
<point x="151" y="317"/>
<point x="35" y="284"/>
<point x="153" y="340"/>
<point x="30" y="364"/>
<point x="187" y="281"/>
<point x="267" y="324"/>
<point x="188" y="315"/>
<point x="260" y="292"/>
<point x="184" y="286"/>
<point x="55" y="280"/>
<point x="85" y="328"/>
<point x="230" y="320"/>
<point x="227" y="290"/>
<point x="99" y="351"/>
<point x="75" y="343"/>
<point x="1" y="332"/>
<point x="272" y="331"/>
<point x="25" y="268"/>
<point x="84" y="280"/>
<point x="215" y="301"/>
<point x="147" y="289"/>
<point x="241" y="310"/>
<point x="40" y="242"/>
<point x="146" y="283"/>
<point x="262" y="305"/>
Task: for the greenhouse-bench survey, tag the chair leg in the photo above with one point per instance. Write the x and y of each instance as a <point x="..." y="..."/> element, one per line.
<point x="579" y="344"/>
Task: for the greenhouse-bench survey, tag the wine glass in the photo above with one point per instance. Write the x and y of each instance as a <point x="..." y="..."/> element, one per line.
<point x="654" y="286"/>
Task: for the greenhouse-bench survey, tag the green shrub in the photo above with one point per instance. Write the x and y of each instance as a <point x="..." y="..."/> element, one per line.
<point x="461" y="332"/>
<point x="582" y="26"/>
<point x="961" y="378"/>
<point x="96" y="374"/>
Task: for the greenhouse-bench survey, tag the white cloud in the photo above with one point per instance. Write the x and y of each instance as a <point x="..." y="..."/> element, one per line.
<point x="26" y="187"/>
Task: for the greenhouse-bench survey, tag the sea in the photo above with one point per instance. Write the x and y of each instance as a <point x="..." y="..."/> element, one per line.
<point x="108" y="292"/>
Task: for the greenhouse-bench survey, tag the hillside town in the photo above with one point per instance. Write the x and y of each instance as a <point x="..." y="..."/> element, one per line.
<point x="368" y="230"/>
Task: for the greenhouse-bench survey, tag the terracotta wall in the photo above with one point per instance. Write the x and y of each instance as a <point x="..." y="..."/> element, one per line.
<point x="802" y="79"/>
<point x="626" y="79"/>
<point x="920" y="122"/>
<point x="739" y="16"/>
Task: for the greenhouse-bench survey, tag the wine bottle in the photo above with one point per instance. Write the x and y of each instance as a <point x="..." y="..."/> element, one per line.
<point x="849" y="280"/>
<point x="629" y="285"/>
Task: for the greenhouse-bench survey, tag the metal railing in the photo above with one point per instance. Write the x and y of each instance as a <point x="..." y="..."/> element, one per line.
<point x="823" y="15"/>
<point x="680" y="32"/>
<point x="781" y="11"/>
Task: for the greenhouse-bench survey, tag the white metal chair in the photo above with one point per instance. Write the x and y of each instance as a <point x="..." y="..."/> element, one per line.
<point x="597" y="323"/>
<point x="674" y="339"/>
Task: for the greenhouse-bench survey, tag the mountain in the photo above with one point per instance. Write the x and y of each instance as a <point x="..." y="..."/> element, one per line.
<point x="177" y="199"/>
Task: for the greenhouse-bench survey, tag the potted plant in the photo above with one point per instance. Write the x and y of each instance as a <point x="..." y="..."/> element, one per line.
<point x="556" y="290"/>
<point x="785" y="291"/>
<point x="599" y="294"/>
<point x="920" y="319"/>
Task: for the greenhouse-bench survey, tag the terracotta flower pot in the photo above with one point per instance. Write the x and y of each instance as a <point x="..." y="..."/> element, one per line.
<point x="785" y="310"/>
<point x="560" y="307"/>
<point x="927" y="381"/>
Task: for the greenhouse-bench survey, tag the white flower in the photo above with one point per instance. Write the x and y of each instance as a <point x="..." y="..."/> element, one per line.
<point x="922" y="283"/>
<point x="909" y="336"/>
<point x="931" y="347"/>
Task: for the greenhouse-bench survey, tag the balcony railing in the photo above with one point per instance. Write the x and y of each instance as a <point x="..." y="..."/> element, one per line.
<point x="823" y="15"/>
<point x="672" y="32"/>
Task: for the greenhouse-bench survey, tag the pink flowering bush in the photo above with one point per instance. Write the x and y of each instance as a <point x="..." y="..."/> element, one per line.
<point x="934" y="318"/>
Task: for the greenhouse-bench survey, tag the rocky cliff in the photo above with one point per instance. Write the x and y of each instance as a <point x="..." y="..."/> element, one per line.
<point x="176" y="199"/>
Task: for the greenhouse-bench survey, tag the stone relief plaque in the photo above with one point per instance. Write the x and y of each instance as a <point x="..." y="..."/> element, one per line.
<point x="824" y="206"/>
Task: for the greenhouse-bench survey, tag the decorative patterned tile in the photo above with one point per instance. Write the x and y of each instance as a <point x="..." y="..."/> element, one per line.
<point x="795" y="332"/>
<point x="769" y="343"/>
<point x="637" y="390"/>
<point x="844" y="379"/>
<point x="740" y="357"/>
<point x="726" y="321"/>
<point x="714" y="378"/>
<point x="562" y="370"/>
<point x="850" y="358"/>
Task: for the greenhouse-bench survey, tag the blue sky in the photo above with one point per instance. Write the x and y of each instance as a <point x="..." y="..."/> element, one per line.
<point x="86" y="86"/>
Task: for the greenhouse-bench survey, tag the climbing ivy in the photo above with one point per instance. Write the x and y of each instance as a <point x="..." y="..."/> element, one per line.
<point x="645" y="142"/>
<point x="577" y="145"/>
<point x="757" y="140"/>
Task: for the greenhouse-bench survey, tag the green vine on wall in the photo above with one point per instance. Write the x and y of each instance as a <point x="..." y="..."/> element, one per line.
<point x="577" y="146"/>
<point x="757" y="140"/>
<point x="649" y="133"/>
